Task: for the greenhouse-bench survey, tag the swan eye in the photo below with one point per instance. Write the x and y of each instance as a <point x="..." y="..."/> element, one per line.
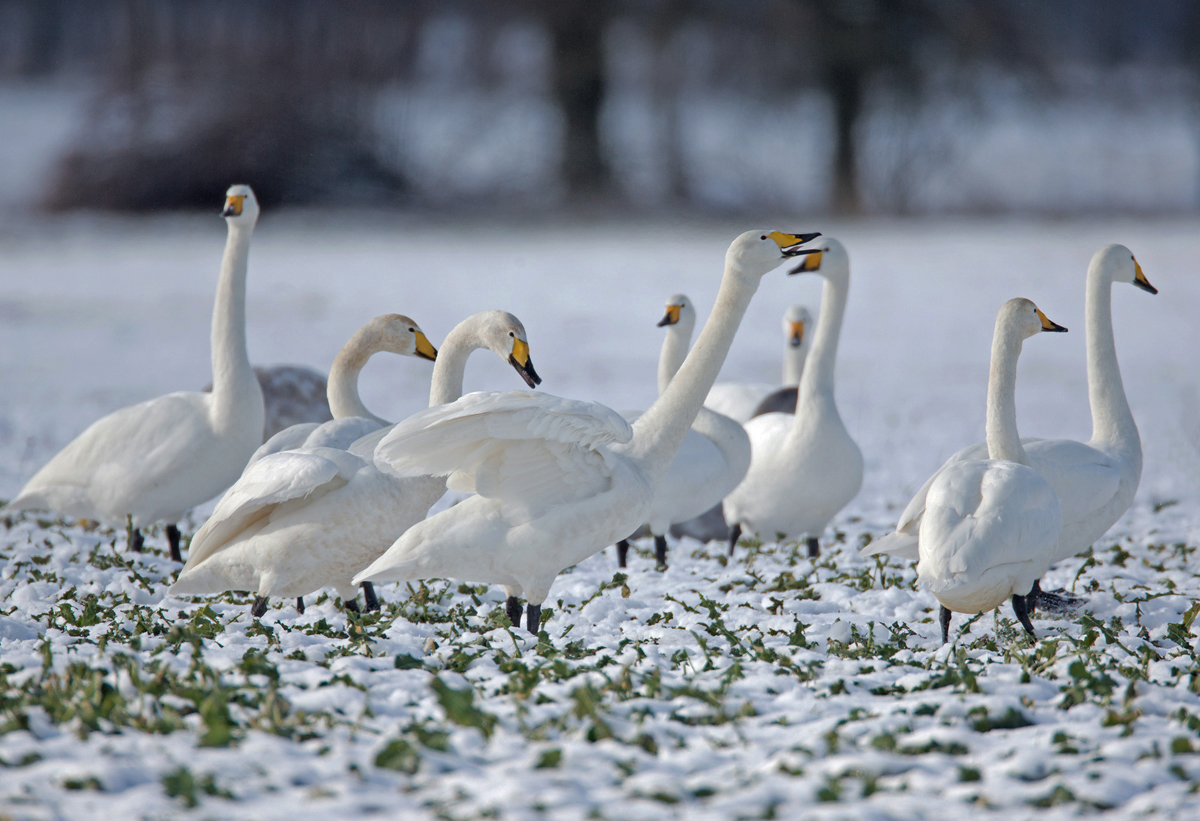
<point x="510" y="333"/>
<point x="412" y="330"/>
<point x="764" y="236"/>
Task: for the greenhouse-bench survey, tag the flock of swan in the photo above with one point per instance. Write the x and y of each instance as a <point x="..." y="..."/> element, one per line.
<point x="344" y="503"/>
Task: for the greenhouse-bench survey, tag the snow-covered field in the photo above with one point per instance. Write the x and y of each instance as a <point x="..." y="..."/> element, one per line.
<point x="762" y="687"/>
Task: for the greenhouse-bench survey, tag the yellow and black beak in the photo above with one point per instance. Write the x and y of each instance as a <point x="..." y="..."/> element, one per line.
<point x="233" y="206"/>
<point x="787" y="242"/>
<point x="1139" y="279"/>
<point x="810" y="263"/>
<point x="797" y="337"/>
<point x="671" y="317"/>
<point x="425" y="350"/>
<point x="1048" y="324"/>
<point x="520" y="360"/>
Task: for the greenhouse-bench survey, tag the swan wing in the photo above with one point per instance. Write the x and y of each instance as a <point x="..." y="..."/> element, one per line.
<point x="287" y="439"/>
<point x="1084" y="478"/>
<point x="341" y="433"/>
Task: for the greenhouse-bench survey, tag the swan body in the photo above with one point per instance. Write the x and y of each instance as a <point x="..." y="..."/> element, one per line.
<point x="312" y="517"/>
<point x="557" y="479"/>
<point x="739" y="400"/>
<point x="156" y="460"/>
<point x="805" y="467"/>
<point x="991" y="524"/>
<point x="1095" y="482"/>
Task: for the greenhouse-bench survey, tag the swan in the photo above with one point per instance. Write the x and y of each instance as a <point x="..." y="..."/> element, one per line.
<point x="153" y="461"/>
<point x="300" y="520"/>
<point x="292" y="395"/>
<point x="714" y="455"/>
<point x="557" y="479"/>
<point x="991" y="524"/>
<point x="1095" y="481"/>
<point x="804" y="467"/>
<point x="738" y="400"/>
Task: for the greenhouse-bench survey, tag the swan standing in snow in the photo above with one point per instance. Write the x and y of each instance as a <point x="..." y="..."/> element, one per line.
<point x="1095" y="481"/>
<point x="300" y="520"/>
<point x="153" y="461"/>
<point x="990" y="525"/>
<point x="557" y="480"/>
<point x="740" y="400"/>
<point x="804" y="467"/>
<point x="714" y="455"/>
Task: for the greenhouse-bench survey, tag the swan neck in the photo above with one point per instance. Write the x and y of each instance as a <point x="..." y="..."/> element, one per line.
<point x="674" y="351"/>
<point x="1112" y="421"/>
<point x="793" y="362"/>
<point x="234" y="382"/>
<point x="1003" y="441"/>
<point x="451" y="364"/>
<point x="816" y="382"/>
<point x="342" y="391"/>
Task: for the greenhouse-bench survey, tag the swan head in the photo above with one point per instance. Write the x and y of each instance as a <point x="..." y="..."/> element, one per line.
<point x="755" y="253"/>
<point x="1025" y="318"/>
<point x="241" y="208"/>
<point x="1120" y="263"/>
<point x="679" y="312"/>
<point x="795" y="320"/>
<point x="827" y="257"/>
<point x="503" y="334"/>
<point x="396" y="333"/>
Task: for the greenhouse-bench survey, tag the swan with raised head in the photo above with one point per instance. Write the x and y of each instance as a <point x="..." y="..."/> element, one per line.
<point x="154" y="461"/>
<point x="739" y="400"/>
<point x="292" y="395"/>
<point x="299" y="520"/>
<point x="804" y="467"/>
<point x="714" y="455"/>
<point x="1095" y="481"/>
<point x="991" y="524"/>
<point x="557" y="480"/>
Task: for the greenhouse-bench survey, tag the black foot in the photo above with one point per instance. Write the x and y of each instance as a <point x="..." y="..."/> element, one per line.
<point x="814" y="548"/>
<point x="1058" y="601"/>
<point x="136" y="540"/>
<point x="351" y="605"/>
<point x="370" y="600"/>
<point x="512" y="606"/>
<point x="259" y="607"/>
<point x="173" y="542"/>
<point x="1022" y="612"/>
<point x="622" y="552"/>
<point x="300" y="605"/>
<point x="944" y="618"/>
<point x="735" y="533"/>
<point x="533" y="618"/>
<point x="660" y="551"/>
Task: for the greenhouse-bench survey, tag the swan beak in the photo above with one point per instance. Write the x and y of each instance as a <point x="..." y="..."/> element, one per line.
<point x="787" y="242"/>
<point x="425" y="349"/>
<point x="810" y="263"/>
<point x="1139" y="279"/>
<point x="797" y="338"/>
<point x="671" y="317"/>
<point x="520" y="360"/>
<point x="1049" y="324"/>
<point x="233" y="206"/>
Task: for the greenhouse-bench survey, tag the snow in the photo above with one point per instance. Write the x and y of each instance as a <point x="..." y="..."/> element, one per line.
<point x="717" y="689"/>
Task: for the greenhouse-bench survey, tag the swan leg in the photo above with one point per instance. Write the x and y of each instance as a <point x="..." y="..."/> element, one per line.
<point x="300" y="605"/>
<point x="351" y="605"/>
<point x="660" y="551"/>
<point x="622" y="552"/>
<point x="1018" y="603"/>
<point x="136" y="540"/>
<point x="814" y="547"/>
<point x="370" y="600"/>
<point x="512" y="606"/>
<point x="735" y="533"/>
<point x="1058" y="601"/>
<point x="173" y="543"/>
<point x="259" y="608"/>
<point x="944" y="618"/>
<point x="533" y="619"/>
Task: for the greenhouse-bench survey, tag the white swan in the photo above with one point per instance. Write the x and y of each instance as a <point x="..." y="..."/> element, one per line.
<point x="558" y="480"/>
<point x="739" y="400"/>
<point x="299" y="520"/>
<point x="714" y="455"/>
<point x="805" y="467"/>
<point x="991" y="524"/>
<point x="1095" y="482"/>
<point x="156" y="460"/>
<point x="292" y="395"/>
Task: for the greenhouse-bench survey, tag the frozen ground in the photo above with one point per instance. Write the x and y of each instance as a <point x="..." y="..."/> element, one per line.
<point x="766" y="687"/>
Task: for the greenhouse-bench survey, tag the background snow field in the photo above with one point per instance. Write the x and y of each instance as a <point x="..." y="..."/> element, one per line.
<point x="768" y="686"/>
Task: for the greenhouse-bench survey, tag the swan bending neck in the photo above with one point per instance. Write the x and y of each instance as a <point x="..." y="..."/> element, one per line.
<point x="451" y="364"/>
<point x="344" y="400"/>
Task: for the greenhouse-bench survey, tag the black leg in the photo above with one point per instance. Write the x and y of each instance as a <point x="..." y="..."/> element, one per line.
<point x="351" y="605"/>
<point x="1031" y="598"/>
<point x="512" y="606"/>
<point x="259" y="607"/>
<point x="622" y="552"/>
<point x="944" y="618"/>
<point x="660" y="551"/>
<point x="1019" y="608"/>
<point x="173" y="542"/>
<point x="1054" y="601"/>
<point x="136" y="540"/>
<point x="735" y="533"/>
<point x="369" y="598"/>
<point x="300" y="605"/>
<point x="814" y="547"/>
<point x="533" y="618"/>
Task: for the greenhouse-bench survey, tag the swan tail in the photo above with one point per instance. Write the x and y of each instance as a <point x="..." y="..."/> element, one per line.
<point x="901" y="545"/>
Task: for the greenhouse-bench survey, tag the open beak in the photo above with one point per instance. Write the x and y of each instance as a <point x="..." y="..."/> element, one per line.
<point x="1050" y="325"/>
<point x="1140" y="280"/>
<point x="810" y="263"/>
<point x="233" y="206"/>
<point x="520" y="360"/>
<point x="797" y="338"/>
<point x="425" y="350"/>
<point x="787" y="242"/>
<point x="671" y="317"/>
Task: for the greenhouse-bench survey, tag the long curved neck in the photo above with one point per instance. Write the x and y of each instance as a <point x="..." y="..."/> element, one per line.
<point x="816" y="382"/>
<point x="674" y="351"/>
<point x="234" y="382"/>
<point x="342" y="391"/>
<point x="1112" y="421"/>
<point x="451" y="364"/>
<point x="658" y="433"/>
<point x="793" y="362"/>
<point x="1003" y="442"/>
